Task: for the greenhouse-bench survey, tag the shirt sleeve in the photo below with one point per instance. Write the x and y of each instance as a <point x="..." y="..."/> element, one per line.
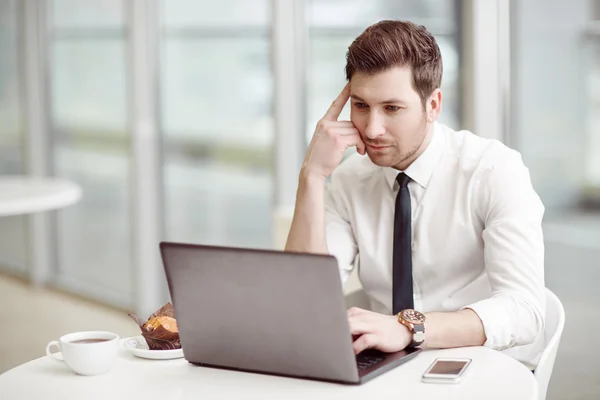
<point x="341" y="241"/>
<point x="514" y="255"/>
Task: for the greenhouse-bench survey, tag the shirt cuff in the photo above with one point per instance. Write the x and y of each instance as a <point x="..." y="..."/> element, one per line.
<point x="496" y="322"/>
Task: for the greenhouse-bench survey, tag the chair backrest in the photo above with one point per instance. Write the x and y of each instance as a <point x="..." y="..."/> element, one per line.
<point x="555" y="323"/>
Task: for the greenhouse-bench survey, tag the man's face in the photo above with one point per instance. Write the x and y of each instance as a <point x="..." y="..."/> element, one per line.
<point x="389" y="115"/>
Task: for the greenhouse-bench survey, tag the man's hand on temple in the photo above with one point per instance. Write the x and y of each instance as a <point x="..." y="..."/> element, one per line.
<point x="331" y="139"/>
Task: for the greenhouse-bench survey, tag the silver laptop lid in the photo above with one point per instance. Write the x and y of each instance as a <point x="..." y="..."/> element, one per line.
<point x="259" y="310"/>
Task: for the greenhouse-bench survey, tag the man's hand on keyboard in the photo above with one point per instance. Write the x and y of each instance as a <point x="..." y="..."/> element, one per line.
<point x="377" y="331"/>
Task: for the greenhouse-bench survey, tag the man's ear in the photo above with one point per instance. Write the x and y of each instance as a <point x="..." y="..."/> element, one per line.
<point x="434" y="106"/>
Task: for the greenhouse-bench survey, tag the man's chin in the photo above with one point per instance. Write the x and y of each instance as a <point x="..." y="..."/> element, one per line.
<point x="380" y="160"/>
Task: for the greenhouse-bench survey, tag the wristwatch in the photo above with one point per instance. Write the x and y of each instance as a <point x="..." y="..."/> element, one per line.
<point x="415" y="322"/>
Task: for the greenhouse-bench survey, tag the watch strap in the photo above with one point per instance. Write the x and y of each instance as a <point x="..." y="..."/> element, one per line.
<point x="418" y="335"/>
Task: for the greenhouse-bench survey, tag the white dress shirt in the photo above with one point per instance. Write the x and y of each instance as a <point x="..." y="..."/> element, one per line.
<point x="476" y="235"/>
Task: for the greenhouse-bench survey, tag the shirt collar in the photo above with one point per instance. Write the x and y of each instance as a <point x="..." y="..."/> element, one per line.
<point x="422" y="168"/>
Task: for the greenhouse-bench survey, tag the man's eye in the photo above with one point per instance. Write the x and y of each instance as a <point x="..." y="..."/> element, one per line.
<point x="360" y="105"/>
<point x="392" y="108"/>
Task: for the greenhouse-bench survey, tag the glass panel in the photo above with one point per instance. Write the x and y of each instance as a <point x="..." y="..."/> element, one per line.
<point x="216" y="101"/>
<point x="548" y="104"/>
<point x="86" y="14"/>
<point x="94" y="237"/>
<point x="228" y="87"/>
<point x="334" y="24"/>
<point x="92" y="148"/>
<point x="12" y="229"/>
<point x="88" y="88"/>
<point x="224" y="13"/>
<point x="592" y="84"/>
<point x="10" y="112"/>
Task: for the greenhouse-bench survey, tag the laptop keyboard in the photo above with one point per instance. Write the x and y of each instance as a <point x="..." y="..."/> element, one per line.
<point x="364" y="361"/>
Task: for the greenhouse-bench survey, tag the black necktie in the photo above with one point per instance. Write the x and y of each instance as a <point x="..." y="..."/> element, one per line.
<point x="402" y="262"/>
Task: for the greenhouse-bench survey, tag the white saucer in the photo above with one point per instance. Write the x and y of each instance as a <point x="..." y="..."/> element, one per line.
<point x="138" y="347"/>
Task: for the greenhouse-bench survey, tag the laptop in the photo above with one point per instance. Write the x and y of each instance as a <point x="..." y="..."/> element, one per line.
<point x="269" y="312"/>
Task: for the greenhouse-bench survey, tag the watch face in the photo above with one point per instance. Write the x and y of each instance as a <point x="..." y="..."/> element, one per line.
<point x="413" y="316"/>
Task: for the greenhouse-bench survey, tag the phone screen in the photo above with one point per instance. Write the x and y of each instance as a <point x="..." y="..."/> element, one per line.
<point x="448" y="367"/>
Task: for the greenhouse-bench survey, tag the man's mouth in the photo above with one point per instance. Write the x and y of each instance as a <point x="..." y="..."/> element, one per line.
<point x="377" y="146"/>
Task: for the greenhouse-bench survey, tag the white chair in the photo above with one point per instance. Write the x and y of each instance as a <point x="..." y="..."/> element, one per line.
<point x="555" y="323"/>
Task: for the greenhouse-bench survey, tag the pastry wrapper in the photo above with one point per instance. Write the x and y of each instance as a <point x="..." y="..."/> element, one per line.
<point x="159" y="338"/>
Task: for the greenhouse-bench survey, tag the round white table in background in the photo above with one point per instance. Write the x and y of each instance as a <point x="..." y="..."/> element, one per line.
<point x="25" y="195"/>
<point x="491" y="375"/>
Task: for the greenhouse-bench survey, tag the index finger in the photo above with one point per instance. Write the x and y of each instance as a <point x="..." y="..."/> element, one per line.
<point x="338" y="104"/>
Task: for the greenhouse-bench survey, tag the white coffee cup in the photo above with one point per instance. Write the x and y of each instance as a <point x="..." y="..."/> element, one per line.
<point x="86" y="353"/>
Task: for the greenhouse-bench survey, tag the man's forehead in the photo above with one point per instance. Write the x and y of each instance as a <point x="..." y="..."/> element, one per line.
<point x="393" y="83"/>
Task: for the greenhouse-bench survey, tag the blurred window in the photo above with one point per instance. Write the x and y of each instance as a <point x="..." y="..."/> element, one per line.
<point x="91" y="146"/>
<point x="592" y="85"/>
<point x="12" y="229"/>
<point x="217" y="122"/>
<point x="555" y="101"/>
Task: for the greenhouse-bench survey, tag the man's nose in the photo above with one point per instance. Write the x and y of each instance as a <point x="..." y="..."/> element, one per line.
<point x="374" y="127"/>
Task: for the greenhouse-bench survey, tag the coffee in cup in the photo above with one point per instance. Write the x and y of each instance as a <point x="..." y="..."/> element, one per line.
<point x="86" y="353"/>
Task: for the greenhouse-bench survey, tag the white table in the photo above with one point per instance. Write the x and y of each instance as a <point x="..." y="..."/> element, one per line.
<point x="25" y="195"/>
<point x="491" y="375"/>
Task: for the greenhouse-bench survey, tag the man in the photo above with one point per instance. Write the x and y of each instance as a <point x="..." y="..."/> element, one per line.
<point x="440" y="221"/>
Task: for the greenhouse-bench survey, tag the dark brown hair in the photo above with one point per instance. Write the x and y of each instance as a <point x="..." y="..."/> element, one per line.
<point x="389" y="44"/>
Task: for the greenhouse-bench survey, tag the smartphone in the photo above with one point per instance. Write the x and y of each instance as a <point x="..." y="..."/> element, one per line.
<point x="446" y="370"/>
